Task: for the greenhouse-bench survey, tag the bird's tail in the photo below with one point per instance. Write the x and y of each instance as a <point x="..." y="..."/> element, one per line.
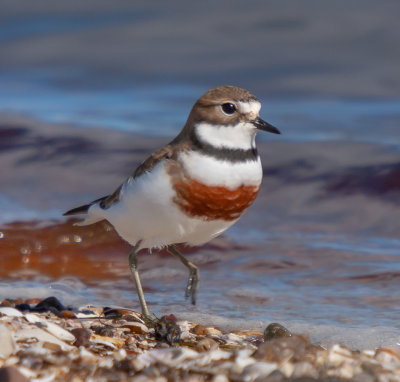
<point x="91" y="216"/>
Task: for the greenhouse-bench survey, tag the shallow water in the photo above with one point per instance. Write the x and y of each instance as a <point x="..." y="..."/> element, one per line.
<point x="311" y="250"/>
<point x="322" y="280"/>
<point x="320" y="246"/>
<point x="161" y="110"/>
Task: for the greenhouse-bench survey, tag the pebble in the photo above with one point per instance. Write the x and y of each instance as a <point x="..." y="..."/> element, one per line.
<point x="199" y="330"/>
<point x="51" y="304"/>
<point x="50" y="347"/>
<point x="7" y="346"/>
<point x="23" y="307"/>
<point x="11" y="374"/>
<point x="275" y="330"/>
<point x="136" y="327"/>
<point x="111" y="342"/>
<point x="258" y="370"/>
<point x="82" y="336"/>
<point x="166" y="329"/>
<point x="206" y="344"/>
<point x="212" y="331"/>
<point x="8" y="311"/>
<point x="40" y="336"/>
<point x="50" y="327"/>
<point x="285" y="349"/>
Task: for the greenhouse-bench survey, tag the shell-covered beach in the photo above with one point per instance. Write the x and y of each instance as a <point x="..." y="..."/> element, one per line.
<point x="44" y="341"/>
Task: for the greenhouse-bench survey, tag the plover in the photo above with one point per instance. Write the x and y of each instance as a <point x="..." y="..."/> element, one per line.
<point x="192" y="189"/>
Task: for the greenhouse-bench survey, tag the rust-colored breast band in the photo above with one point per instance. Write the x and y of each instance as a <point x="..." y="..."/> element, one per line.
<point x="211" y="202"/>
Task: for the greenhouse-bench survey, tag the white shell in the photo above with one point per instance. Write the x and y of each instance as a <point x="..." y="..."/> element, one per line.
<point x="41" y="336"/>
<point x="7" y="345"/>
<point x="12" y="312"/>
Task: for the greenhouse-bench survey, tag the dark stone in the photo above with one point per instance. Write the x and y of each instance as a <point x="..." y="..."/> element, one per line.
<point x="23" y="307"/>
<point x="82" y="336"/>
<point x="51" y="304"/>
<point x="125" y="366"/>
<point x="111" y="313"/>
<point x="104" y="330"/>
<point x="167" y="330"/>
<point x="11" y="374"/>
<point x="296" y="348"/>
<point x="275" y="330"/>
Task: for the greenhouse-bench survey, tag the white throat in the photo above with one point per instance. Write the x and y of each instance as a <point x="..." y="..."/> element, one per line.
<point x="240" y="136"/>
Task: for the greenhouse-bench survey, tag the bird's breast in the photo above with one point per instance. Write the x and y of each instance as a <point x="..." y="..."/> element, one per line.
<point x="213" y="202"/>
<point x="212" y="189"/>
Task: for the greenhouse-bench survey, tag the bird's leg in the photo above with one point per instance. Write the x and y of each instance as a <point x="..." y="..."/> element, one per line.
<point x="194" y="274"/>
<point x="135" y="276"/>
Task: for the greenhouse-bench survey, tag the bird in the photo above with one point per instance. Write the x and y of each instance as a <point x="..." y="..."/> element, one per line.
<point x="192" y="189"/>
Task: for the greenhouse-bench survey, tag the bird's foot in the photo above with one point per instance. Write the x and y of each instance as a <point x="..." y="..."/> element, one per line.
<point x="150" y="320"/>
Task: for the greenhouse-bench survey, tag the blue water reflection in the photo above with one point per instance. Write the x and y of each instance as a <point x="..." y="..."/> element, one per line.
<point x="162" y="110"/>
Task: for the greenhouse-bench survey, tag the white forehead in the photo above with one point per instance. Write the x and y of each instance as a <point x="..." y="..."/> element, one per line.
<point x="252" y="107"/>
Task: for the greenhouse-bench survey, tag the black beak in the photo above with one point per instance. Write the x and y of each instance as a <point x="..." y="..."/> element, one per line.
<point x="265" y="126"/>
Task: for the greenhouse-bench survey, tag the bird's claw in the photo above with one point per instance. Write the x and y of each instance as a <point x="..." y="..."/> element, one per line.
<point x="150" y="320"/>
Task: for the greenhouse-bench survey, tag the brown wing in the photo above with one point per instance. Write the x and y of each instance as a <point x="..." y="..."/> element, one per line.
<point x="166" y="152"/>
<point x="107" y="201"/>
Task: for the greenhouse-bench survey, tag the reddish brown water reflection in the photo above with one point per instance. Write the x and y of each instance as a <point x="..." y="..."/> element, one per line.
<point x="61" y="249"/>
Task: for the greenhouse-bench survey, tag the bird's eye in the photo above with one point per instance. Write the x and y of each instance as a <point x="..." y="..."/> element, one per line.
<point x="228" y="108"/>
